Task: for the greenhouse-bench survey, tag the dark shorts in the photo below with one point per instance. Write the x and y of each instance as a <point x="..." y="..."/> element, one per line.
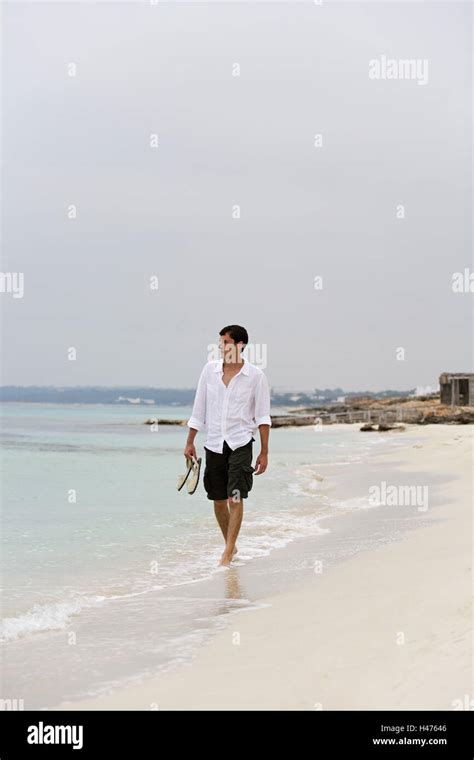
<point x="229" y="475"/>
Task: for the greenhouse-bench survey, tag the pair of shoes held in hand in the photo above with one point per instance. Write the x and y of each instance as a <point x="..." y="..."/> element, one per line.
<point x="192" y="474"/>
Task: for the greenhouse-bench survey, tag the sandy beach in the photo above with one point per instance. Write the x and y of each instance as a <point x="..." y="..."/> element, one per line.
<point x="389" y="628"/>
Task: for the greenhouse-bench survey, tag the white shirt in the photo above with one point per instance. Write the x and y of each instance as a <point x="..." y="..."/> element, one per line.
<point x="231" y="413"/>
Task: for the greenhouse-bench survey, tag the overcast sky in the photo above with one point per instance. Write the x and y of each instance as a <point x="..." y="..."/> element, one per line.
<point x="330" y="210"/>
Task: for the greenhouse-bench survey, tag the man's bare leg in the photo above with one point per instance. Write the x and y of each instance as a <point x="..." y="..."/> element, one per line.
<point x="236" y="510"/>
<point x="221" y="510"/>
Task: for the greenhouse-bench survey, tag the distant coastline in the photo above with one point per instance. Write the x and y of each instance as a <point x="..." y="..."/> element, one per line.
<point x="383" y="410"/>
<point x="148" y="395"/>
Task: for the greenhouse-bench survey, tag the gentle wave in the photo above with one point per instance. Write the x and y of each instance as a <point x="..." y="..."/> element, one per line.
<point x="264" y="534"/>
<point x="44" y="617"/>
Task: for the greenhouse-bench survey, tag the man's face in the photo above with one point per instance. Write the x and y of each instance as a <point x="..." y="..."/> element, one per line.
<point x="230" y="350"/>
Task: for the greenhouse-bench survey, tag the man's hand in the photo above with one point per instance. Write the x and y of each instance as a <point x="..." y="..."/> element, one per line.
<point x="261" y="463"/>
<point x="190" y="451"/>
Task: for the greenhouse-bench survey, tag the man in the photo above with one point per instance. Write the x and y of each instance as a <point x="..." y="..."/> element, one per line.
<point x="232" y="400"/>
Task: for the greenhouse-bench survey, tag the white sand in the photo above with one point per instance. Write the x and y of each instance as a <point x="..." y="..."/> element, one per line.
<point x="390" y="628"/>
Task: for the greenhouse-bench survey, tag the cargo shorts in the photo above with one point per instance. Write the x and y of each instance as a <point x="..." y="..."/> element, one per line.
<point x="229" y="475"/>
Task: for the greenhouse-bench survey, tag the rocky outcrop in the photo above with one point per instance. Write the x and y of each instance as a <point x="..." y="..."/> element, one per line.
<point x="382" y="428"/>
<point x="157" y="421"/>
<point x="386" y="416"/>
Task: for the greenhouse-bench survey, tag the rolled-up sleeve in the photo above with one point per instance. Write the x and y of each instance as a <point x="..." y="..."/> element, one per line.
<point x="198" y="414"/>
<point x="262" y="402"/>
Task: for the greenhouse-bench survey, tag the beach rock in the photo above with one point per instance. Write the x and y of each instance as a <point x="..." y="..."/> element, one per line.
<point x="157" y="421"/>
<point x="292" y="420"/>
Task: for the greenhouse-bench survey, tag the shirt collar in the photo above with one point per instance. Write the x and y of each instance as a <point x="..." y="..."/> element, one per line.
<point x="244" y="370"/>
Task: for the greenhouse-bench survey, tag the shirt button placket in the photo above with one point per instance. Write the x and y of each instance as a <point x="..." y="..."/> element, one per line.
<point x="224" y="415"/>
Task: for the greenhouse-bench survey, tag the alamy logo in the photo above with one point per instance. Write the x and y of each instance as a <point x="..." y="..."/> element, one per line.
<point x="466" y="703"/>
<point x="463" y="282"/>
<point x="399" y="496"/>
<point x="415" y="69"/>
<point x="12" y="704"/>
<point x="42" y="734"/>
<point x="12" y="282"/>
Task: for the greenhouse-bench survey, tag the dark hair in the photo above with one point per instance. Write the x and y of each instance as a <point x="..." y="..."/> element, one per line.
<point x="237" y="333"/>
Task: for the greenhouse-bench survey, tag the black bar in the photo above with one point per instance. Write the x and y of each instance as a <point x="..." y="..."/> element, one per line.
<point x="321" y="734"/>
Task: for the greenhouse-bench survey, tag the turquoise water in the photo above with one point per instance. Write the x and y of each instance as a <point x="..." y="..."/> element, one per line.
<point x="100" y="550"/>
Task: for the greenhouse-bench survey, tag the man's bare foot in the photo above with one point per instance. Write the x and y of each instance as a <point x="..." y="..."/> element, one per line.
<point x="227" y="558"/>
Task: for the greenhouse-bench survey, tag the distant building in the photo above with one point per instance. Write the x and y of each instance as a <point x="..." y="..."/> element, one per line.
<point x="457" y="388"/>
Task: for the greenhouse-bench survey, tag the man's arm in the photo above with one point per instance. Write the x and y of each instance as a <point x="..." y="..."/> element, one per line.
<point x="197" y="420"/>
<point x="264" y="436"/>
<point x="264" y="422"/>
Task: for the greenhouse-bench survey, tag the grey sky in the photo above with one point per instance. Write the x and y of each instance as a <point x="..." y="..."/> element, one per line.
<point x="224" y="140"/>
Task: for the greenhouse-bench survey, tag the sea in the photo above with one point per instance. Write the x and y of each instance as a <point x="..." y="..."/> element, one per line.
<point x="110" y="575"/>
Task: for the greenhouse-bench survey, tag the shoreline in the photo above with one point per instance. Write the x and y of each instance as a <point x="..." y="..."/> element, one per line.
<point x="388" y="628"/>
